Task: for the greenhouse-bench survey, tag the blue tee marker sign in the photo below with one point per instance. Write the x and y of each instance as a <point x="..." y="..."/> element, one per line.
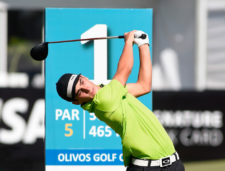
<point x="76" y="139"/>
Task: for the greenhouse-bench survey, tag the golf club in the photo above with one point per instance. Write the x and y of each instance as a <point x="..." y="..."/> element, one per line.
<point x="40" y="51"/>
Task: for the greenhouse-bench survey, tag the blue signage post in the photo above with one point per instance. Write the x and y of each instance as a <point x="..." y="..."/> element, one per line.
<point x="74" y="137"/>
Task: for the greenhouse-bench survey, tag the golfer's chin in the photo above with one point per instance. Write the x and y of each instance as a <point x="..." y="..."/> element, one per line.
<point x="85" y="100"/>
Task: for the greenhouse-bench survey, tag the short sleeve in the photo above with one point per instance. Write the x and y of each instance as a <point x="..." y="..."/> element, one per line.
<point x="109" y="97"/>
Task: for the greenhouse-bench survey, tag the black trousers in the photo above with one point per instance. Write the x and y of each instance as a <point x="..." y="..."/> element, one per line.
<point x="176" y="166"/>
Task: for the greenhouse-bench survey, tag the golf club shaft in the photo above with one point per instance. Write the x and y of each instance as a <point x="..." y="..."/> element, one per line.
<point x="96" y="38"/>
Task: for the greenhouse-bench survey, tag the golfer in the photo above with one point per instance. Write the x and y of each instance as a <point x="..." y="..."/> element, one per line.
<point x="146" y="145"/>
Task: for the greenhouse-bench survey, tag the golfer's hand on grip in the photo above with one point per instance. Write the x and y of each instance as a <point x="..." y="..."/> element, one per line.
<point x="140" y="41"/>
<point x="129" y="37"/>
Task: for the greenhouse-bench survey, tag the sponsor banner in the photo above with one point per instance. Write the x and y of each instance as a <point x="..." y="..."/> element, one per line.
<point x="195" y="122"/>
<point x="84" y="157"/>
<point x="68" y="126"/>
<point x="21" y="128"/>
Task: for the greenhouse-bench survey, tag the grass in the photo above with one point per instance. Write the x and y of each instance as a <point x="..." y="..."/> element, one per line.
<point x="217" y="165"/>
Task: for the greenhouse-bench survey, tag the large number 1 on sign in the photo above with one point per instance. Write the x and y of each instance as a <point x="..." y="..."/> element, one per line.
<point x="100" y="52"/>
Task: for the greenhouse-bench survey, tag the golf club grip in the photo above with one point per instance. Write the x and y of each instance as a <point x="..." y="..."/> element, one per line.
<point x="120" y="37"/>
<point x="143" y="36"/>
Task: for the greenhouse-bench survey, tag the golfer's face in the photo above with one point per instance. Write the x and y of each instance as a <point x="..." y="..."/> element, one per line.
<point x="84" y="90"/>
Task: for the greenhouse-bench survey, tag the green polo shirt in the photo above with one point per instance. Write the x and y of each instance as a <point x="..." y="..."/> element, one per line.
<point x="142" y="134"/>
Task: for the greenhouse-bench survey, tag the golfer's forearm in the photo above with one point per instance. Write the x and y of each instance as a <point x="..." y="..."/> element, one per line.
<point x="145" y="70"/>
<point x="126" y="60"/>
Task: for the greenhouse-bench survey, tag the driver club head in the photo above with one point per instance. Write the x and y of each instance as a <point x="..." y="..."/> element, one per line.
<point x="39" y="52"/>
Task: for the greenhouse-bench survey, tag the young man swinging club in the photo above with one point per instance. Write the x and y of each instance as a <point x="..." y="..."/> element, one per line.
<point x="146" y="145"/>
